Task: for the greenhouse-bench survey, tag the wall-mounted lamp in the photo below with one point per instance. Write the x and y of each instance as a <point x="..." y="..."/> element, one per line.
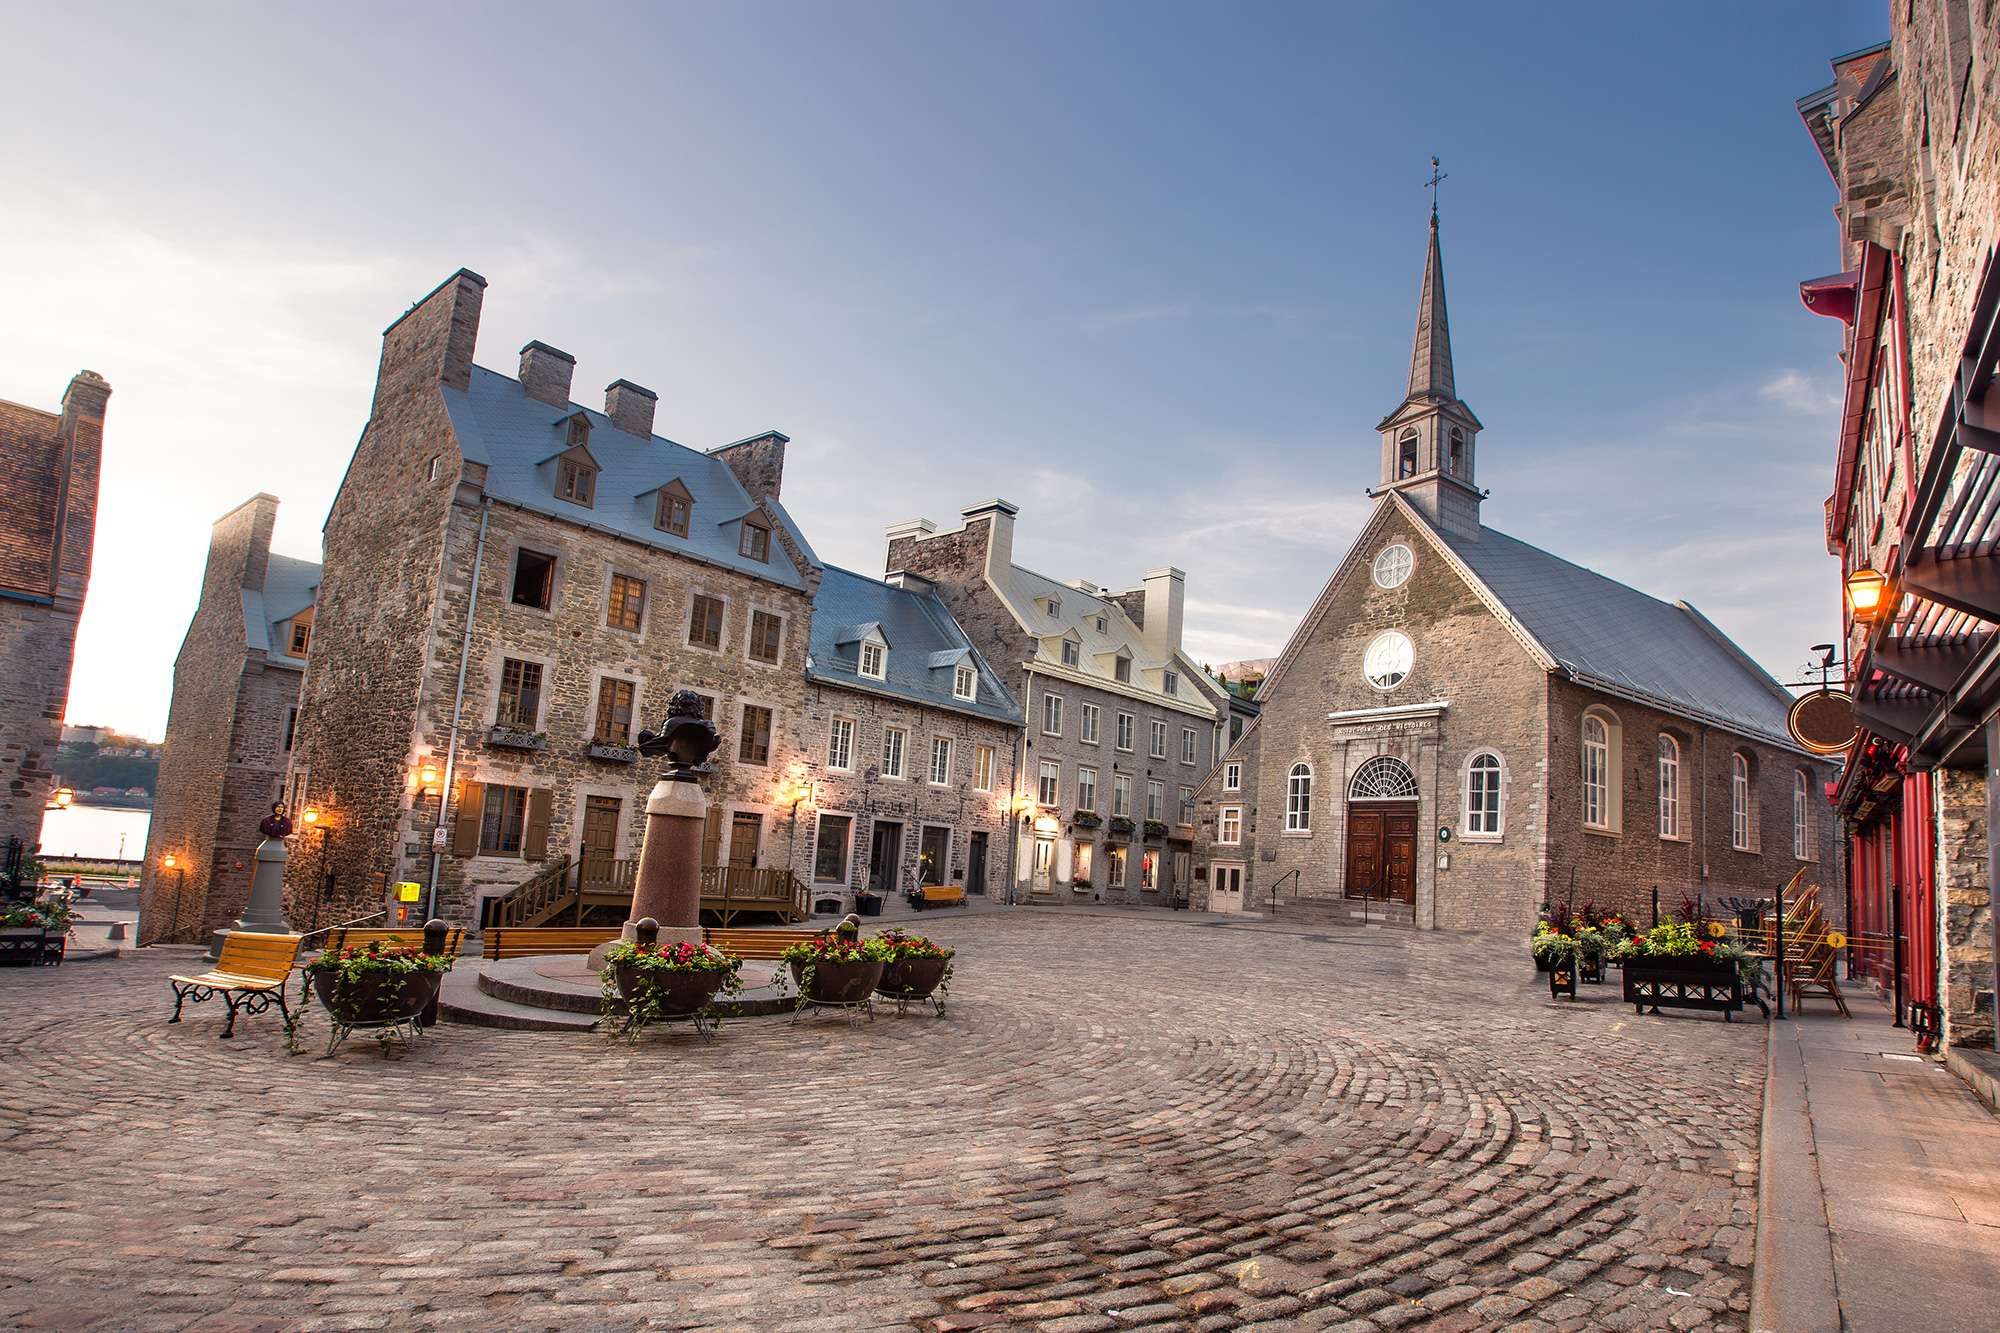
<point x="1867" y="593"/>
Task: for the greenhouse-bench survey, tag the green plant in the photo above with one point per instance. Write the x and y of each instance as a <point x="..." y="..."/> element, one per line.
<point x="1553" y="946"/>
<point x="659" y="960"/>
<point x="903" y="946"/>
<point x="54" y="910"/>
<point x="807" y="955"/>
<point x="356" y="965"/>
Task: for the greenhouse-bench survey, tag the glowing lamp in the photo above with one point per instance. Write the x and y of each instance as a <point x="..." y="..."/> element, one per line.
<point x="427" y="776"/>
<point x="168" y="861"/>
<point x="64" y="796"/>
<point x="310" y="815"/>
<point x="1867" y="593"/>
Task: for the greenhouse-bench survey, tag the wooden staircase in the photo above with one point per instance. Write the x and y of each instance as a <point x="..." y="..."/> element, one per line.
<point x="539" y="899"/>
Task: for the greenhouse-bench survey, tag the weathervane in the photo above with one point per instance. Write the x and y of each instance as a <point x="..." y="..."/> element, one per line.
<point x="1436" y="176"/>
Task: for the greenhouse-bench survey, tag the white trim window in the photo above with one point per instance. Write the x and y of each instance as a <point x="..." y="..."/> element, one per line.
<point x="840" y="744"/>
<point x="1802" y="840"/>
<point x="1388" y="660"/>
<point x="1086" y="724"/>
<point x="982" y="768"/>
<point x="1049" y="788"/>
<point x="1156" y="800"/>
<point x="1159" y="750"/>
<point x="1299" y="798"/>
<point x="1125" y="724"/>
<point x="1072" y="653"/>
<point x="1229" y="826"/>
<point x="940" y="761"/>
<point x="964" y="683"/>
<point x="1086" y="788"/>
<point x="1121" y="795"/>
<point x="1052" y="714"/>
<point x="1170" y="682"/>
<point x="1482" y="795"/>
<point x="1596" y="773"/>
<point x="1232" y="775"/>
<point x="1188" y="745"/>
<point x="1739" y="802"/>
<point x="1392" y="566"/>
<point x="1187" y="805"/>
<point x="1670" y="787"/>
<point x="874" y="661"/>
<point x="895" y="742"/>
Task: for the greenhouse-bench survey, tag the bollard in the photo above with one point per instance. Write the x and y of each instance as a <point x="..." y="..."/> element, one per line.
<point x="434" y="933"/>
<point x="646" y="931"/>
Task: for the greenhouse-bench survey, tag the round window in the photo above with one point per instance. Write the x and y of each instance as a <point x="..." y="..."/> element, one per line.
<point x="1392" y="567"/>
<point x="1387" y="663"/>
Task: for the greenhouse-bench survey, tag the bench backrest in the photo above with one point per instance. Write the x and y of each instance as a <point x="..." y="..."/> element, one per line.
<point x="356" y="938"/>
<point x="760" y="944"/>
<point x="519" y="941"/>
<point x="942" y="892"/>
<point x="265" y="957"/>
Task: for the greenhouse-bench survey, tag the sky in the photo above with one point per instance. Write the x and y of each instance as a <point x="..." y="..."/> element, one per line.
<point x="1149" y="271"/>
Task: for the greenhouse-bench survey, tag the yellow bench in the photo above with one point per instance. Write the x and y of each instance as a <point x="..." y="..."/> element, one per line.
<point x="765" y="945"/>
<point x="252" y="969"/>
<point x="520" y="941"/>
<point x="350" y="938"/>
<point x="938" y="895"/>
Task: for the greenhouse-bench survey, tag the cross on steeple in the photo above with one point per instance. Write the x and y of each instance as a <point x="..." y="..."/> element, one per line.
<point x="1436" y="176"/>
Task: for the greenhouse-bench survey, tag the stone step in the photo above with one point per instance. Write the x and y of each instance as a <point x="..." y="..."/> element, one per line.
<point x="1343" y="912"/>
<point x="460" y="1000"/>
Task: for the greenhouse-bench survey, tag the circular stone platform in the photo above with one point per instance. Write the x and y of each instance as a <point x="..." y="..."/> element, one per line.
<point x="565" y="984"/>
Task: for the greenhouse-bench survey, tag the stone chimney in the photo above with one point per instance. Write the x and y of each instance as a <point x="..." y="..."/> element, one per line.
<point x="758" y="462"/>
<point x="630" y="407"/>
<point x="1166" y="600"/>
<point x="432" y="342"/>
<point x="999" y="516"/>
<point x="546" y="372"/>
<point x="239" y="548"/>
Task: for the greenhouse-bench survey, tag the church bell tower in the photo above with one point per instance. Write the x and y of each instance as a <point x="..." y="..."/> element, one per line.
<point x="1428" y="443"/>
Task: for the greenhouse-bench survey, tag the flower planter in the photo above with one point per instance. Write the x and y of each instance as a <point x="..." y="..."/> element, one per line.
<point x="836" y="983"/>
<point x="27" y="946"/>
<point x="677" y="994"/>
<point x="912" y="978"/>
<point x="376" y="1000"/>
<point x="1689" y="982"/>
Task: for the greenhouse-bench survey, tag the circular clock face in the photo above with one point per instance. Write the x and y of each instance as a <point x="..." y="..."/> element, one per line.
<point x="1388" y="660"/>
<point x="1392" y="567"/>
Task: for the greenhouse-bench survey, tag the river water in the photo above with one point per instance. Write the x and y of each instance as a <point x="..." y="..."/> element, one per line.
<point x="95" y="830"/>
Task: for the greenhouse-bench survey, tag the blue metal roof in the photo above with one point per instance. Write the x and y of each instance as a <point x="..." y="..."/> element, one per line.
<point x="1604" y="633"/>
<point x="518" y="439"/>
<point x="925" y="645"/>
<point x="289" y="587"/>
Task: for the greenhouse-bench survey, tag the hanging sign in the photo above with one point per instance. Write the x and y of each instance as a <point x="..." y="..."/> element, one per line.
<point x="1822" y="721"/>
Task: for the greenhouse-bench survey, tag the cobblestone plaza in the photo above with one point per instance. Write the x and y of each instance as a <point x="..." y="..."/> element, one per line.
<point x="1159" y="1122"/>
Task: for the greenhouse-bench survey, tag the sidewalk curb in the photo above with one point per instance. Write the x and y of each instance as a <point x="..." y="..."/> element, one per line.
<point x="1792" y="1287"/>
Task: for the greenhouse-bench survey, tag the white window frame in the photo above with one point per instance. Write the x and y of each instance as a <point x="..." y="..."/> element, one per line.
<point x="1298" y="798"/>
<point x="1601" y="745"/>
<point x="982" y="767"/>
<point x="1048" y="784"/>
<point x="1121" y="795"/>
<point x="1071" y="653"/>
<point x="964" y="683"/>
<point x="1086" y="788"/>
<point x="1469" y="807"/>
<point x="1387" y="643"/>
<point x="840" y="745"/>
<point x="943" y="749"/>
<point x="1087" y="724"/>
<point x="1187" y="805"/>
<point x="1190" y="745"/>
<point x="1229" y="826"/>
<point x="1156" y="800"/>
<point x="1158" y="748"/>
<point x="1232" y="775"/>
<point x="1052" y="714"/>
<point x="1397" y="571"/>
<point x="1670" y="788"/>
<point x="1127" y="726"/>
<point x="896" y="758"/>
<point x="1802" y="839"/>
<point x="1170" y="682"/>
<point x="881" y="652"/>
<point x="1742" y="832"/>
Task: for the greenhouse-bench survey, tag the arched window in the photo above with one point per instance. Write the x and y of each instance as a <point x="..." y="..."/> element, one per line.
<point x="1388" y="659"/>
<point x="1601" y="764"/>
<point x="1382" y="779"/>
<point x="1299" y="799"/>
<point x="1802" y="840"/>
<point x="1739" y="802"/>
<point x="1457" y="452"/>
<point x="1482" y="796"/>
<point x="1406" y="454"/>
<point x="1670" y="786"/>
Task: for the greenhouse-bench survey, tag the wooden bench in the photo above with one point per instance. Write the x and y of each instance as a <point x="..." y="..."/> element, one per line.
<point x="766" y="945"/>
<point x="520" y="941"/>
<point x="938" y="895"/>
<point x="252" y="969"/>
<point x="358" y="938"/>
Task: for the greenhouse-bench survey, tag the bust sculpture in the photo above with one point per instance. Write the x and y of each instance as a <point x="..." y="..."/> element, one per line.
<point x="686" y="739"/>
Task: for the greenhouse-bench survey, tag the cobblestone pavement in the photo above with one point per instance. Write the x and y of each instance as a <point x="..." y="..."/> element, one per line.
<point x="1122" y="1123"/>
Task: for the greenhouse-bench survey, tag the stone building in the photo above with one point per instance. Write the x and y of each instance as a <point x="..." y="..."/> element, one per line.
<point x="1909" y="130"/>
<point x="1120" y="727"/>
<point x="512" y="582"/>
<point x="229" y="729"/>
<point x="48" y="519"/>
<point x="1464" y="726"/>
<point x="913" y="739"/>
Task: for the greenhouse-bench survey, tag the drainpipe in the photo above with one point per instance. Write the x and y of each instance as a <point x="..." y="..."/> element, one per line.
<point x="457" y="703"/>
<point x="1014" y="796"/>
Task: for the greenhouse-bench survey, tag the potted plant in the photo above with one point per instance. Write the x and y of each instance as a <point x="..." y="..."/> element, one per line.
<point x="835" y="969"/>
<point x="36" y="931"/>
<point x="373" y="985"/>
<point x="1685" y="966"/>
<point x="652" y="983"/>
<point x="915" y="968"/>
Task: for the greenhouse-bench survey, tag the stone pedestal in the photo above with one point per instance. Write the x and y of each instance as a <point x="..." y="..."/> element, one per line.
<point x="265" y="913"/>
<point x="668" y="885"/>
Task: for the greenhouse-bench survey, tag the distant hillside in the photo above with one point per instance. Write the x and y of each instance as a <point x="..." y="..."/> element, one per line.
<point x="84" y="772"/>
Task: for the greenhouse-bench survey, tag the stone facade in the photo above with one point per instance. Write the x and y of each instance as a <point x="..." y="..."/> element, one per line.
<point x="229" y="730"/>
<point x="1965" y="906"/>
<point x="454" y="474"/>
<point x="48" y="514"/>
<point x="1138" y="852"/>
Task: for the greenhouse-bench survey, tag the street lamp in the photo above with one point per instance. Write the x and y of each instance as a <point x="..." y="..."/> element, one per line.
<point x="1867" y="593"/>
<point x="310" y="817"/>
<point x="64" y="796"/>
<point x="169" y="864"/>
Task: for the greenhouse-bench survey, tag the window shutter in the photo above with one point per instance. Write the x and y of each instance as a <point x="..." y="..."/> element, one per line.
<point x="465" y="823"/>
<point x="535" y="835"/>
<point x="711" y="838"/>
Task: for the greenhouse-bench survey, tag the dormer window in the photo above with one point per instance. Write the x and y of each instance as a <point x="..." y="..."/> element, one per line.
<point x="874" y="660"/>
<point x="579" y="431"/>
<point x="576" y="481"/>
<point x="301" y="633"/>
<point x="755" y="543"/>
<point x="1072" y="652"/>
<point x="1101" y="626"/>
<point x="1055" y="606"/>
<point x="1170" y="682"/>
<point x="675" y="507"/>
<point x="1121" y="669"/>
<point x="964" y="683"/>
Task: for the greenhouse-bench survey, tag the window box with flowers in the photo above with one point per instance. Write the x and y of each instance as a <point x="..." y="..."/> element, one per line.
<point x="517" y="738"/>
<point x="1121" y="826"/>
<point x="1682" y="965"/>
<point x="1156" y="830"/>
<point x="612" y="752"/>
<point x="1086" y="819"/>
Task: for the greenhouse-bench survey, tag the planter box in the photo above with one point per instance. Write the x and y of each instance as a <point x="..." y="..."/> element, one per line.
<point x="514" y="738"/>
<point x="29" y="946"/>
<point x="912" y="979"/>
<point x="679" y="994"/>
<point x="617" y="754"/>
<point x="1683" y="983"/>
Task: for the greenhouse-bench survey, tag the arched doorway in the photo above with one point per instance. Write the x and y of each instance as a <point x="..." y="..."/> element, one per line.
<point x="1382" y="831"/>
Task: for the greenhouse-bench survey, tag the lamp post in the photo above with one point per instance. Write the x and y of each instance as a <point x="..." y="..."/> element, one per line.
<point x="314" y="823"/>
<point x="427" y="778"/>
<point x="171" y="866"/>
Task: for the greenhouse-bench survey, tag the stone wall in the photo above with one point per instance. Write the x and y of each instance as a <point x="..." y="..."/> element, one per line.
<point x="36" y="645"/>
<point x="1965" y="906"/>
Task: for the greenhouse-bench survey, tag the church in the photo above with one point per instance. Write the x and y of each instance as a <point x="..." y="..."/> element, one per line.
<point x="1464" y="727"/>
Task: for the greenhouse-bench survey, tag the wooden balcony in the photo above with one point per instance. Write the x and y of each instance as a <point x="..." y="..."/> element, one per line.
<point x="727" y="892"/>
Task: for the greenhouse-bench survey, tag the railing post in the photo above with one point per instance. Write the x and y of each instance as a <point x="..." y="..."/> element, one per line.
<point x="1778" y="951"/>
<point x="1896" y="944"/>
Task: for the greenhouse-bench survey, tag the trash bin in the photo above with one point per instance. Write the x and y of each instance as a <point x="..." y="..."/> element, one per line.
<point x="868" y="904"/>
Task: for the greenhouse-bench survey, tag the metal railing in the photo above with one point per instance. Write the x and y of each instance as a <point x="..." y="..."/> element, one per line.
<point x="727" y="890"/>
<point x="1291" y="875"/>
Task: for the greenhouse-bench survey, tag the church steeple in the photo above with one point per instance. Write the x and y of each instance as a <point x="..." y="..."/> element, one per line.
<point x="1427" y="442"/>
